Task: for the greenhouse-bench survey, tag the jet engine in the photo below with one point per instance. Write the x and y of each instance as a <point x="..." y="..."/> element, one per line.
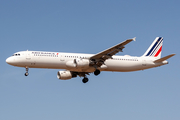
<point x="65" y="75"/>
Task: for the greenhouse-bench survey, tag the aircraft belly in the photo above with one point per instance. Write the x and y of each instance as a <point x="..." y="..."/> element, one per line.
<point x="89" y="69"/>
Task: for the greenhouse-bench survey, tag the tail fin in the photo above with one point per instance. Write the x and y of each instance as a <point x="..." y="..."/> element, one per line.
<point x="155" y="48"/>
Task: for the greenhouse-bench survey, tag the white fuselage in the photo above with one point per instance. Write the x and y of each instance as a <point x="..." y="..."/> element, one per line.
<point x="58" y="60"/>
<point x="76" y="64"/>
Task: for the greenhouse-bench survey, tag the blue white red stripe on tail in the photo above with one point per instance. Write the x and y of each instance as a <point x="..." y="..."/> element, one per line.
<point x="155" y="49"/>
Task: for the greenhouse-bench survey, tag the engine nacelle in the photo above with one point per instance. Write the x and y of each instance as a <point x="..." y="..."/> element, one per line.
<point x="64" y="75"/>
<point x="82" y="63"/>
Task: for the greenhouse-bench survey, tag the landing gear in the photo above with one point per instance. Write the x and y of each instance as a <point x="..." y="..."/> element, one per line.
<point x="85" y="80"/>
<point x="26" y="74"/>
<point x="97" y="72"/>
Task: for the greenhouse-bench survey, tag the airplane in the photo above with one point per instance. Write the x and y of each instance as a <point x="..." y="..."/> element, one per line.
<point x="77" y="64"/>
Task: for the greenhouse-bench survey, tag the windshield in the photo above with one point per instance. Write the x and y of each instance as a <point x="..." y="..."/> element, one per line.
<point x="17" y="54"/>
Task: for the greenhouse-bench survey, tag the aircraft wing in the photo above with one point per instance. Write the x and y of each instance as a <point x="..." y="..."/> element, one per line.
<point x="99" y="58"/>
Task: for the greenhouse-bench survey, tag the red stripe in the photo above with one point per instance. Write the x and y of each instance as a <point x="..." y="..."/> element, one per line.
<point x="158" y="52"/>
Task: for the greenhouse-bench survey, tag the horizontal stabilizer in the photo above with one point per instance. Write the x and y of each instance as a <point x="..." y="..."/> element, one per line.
<point x="164" y="58"/>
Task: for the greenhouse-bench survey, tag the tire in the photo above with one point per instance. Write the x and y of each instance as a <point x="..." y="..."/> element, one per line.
<point x="26" y="74"/>
<point x="97" y="72"/>
<point x="85" y="80"/>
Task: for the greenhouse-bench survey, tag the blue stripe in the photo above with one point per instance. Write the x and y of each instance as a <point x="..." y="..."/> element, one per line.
<point x="159" y="43"/>
<point x="154" y="46"/>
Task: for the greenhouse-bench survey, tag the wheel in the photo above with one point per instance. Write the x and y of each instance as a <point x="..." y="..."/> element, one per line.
<point x="85" y="80"/>
<point x="97" y="72"/>
<point x="26" y="74"/>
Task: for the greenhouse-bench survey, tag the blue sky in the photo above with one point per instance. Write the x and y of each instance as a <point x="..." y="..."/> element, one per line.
<point x="83" y="26"/>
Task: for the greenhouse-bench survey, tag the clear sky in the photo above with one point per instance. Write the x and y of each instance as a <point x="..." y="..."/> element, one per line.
<point x="89" y="26"/>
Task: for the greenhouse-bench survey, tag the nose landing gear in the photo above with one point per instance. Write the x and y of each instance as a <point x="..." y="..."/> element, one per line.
<point x="27" y="69"/>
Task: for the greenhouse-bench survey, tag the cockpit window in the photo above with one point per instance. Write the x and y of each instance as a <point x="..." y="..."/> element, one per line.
<point x="16" y="55"/>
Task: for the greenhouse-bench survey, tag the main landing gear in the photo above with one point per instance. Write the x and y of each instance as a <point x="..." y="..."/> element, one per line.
<point x="26" y="74"/>
<point x="97" y="72"/>
<point x="85" y="79"/>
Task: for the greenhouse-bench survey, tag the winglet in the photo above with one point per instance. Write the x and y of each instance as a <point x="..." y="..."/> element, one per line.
<point x="164" y="58"/>
<point x="134" y="38"/>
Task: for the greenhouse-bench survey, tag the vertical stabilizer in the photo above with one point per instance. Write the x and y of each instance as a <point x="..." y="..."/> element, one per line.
<point x="155" y="48"/>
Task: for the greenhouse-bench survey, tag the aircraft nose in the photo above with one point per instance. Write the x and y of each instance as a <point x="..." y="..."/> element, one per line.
<point x="9" y="60"/>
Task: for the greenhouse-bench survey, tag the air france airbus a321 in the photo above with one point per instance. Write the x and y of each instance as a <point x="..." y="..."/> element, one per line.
<point x="81" y="65"/>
